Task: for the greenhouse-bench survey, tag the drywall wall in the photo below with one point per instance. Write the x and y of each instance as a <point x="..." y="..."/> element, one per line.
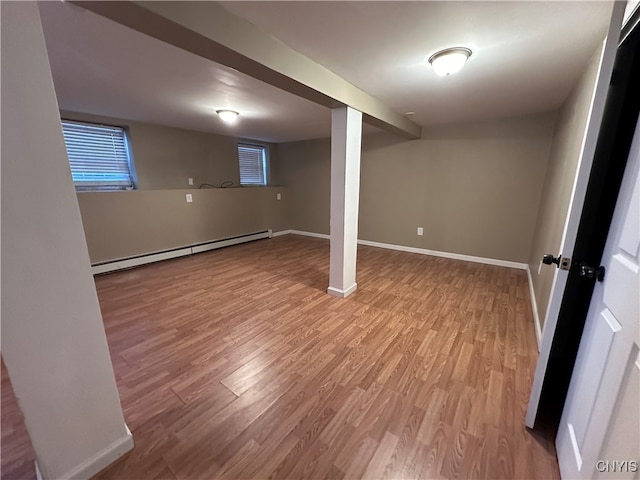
<point x="305" y="169"/>
<point x="475" y="188"/>
<point x="125" y="224"/>
<point x="166" y="157"/>
<point x="53" y="339"/>
<point x="156" y="216"/>
<point x="559" y="181"/>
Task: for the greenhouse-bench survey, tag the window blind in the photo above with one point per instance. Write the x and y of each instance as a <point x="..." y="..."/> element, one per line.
<point x="98" y="156"/>
<point x="252" y="164"/>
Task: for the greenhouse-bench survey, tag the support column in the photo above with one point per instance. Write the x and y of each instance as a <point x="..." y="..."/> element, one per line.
<point x="53" y="339"/>
<point x="346" y="139"/>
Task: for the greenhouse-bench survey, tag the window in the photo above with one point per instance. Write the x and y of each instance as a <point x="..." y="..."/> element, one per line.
<point x="98" y="156"/>
<point x="253" y="161"/>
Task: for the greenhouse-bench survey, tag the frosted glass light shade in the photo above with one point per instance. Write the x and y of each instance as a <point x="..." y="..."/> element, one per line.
<point x="228" y="116"/>
<point x="449" y="61"/>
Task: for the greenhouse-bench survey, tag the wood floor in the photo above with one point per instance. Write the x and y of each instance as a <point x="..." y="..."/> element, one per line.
<point x="16" y="455"/>
<point x="237" y="364"/>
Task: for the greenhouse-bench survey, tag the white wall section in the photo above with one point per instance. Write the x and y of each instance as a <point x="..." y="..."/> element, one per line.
<point x="53" y="343"/>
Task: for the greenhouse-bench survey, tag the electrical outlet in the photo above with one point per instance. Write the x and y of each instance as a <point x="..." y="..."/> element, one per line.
<point x="189" y="198"/>
<point x="190" y="181"/>
<point x="420" y="231"/>
<point x="279" y="196"/>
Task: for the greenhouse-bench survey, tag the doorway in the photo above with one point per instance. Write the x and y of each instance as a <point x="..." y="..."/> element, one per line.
<point x="610" y="158"/>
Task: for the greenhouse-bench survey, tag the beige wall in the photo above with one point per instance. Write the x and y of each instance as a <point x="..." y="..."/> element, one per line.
<point x="165" y="157"/>
<point x="475" y="188"/>
<point x="559" y="181"/>
<point x="125" y="224"/>
<point x="305" y="169"/>
<point x="156" y="216"/>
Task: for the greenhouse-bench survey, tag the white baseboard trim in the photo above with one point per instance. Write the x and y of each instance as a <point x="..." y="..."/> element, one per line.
<point x="99" y="461"/>
<point x="227" y="243"/>
<point x="280" y="233"/>
<point x="534" y="309"/>
<point x="454" y="256"/>
<point x="134" y="262"/>
<point x="336" y="292"/>
<point x="179" y="252"/>
<point x="422" y="251"/>
<point x="310" y="234"/>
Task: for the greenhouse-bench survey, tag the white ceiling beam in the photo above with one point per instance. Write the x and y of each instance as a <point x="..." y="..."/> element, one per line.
<point x="208" y="30"/>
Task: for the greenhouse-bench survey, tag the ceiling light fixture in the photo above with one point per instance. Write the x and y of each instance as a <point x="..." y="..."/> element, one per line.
<point x="450" y="60"/>
<point x="228" y="116"/>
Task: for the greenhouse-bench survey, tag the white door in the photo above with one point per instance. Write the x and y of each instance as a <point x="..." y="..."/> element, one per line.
<point x="577" y="202"/>
<point x="599" y="433"/>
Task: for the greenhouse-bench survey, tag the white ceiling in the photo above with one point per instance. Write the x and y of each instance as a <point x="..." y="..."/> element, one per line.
<point x="526" y="58"/>
<point x="104" y="68"/>
<point x="526" y="55"/>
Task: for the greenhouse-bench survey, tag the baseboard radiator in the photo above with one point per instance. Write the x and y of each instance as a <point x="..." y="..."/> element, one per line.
<point x="130" y="262"/>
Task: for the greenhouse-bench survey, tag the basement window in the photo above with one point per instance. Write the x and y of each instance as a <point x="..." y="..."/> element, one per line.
<point x="253" y="164"/>
<point x="98" y="155"/>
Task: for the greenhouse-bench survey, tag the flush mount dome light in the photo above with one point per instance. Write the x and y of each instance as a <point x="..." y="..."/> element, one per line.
<point x="228" y="116"/>
<point x="449" y="61"/>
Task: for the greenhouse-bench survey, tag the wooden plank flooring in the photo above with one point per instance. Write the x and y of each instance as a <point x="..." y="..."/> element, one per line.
<point x="236" y="364"/>
<point x="16" y="454"/>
